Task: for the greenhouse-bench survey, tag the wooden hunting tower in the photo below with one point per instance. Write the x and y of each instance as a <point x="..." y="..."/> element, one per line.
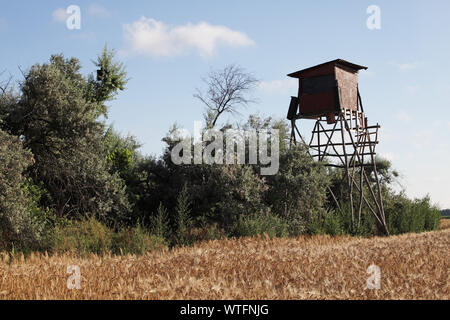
<point x="326" y="88"/>
<point x="328" y="93"/>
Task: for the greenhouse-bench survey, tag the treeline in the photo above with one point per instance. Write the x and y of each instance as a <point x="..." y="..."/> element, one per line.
<point x="70" y="182"/>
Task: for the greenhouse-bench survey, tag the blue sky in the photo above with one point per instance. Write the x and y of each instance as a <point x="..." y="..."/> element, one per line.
<point x="168" y="46"/>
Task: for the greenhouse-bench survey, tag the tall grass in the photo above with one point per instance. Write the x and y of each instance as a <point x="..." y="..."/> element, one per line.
<point x="91" y="236"/>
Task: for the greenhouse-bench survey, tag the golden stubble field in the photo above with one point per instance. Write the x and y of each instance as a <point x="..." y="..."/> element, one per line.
<point x="413" y="266"/>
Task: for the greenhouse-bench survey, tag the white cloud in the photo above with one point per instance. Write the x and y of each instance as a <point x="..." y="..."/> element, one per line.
<point x="98" y="11"/>
<point x="60" y="15"/>
<point x="279" y="86"/>
<point x="155" y="38"/>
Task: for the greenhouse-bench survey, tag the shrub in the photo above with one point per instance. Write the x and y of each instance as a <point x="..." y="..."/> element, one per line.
<point x="160" y="223"/>
<point x="258" y="224"/>
<point x="298" y="191"/>
<point x="223" y="192"/>
<point x="16" y="226"/>
<point x="327" y="223"/>
<point x="366" y="227"/>
<point x="183" y="218"/>
<point x="85" y="236"/>
<point x="332" y="224"/>
<point x="91" y="236"/>
<point x="405" y="215"/>
<point x="136" y="241"/>
<point x="205" y="232"/>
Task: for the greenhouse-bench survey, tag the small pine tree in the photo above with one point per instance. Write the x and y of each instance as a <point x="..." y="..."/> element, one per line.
<point x="161" y="222"/>
<point x="183" y="219"/>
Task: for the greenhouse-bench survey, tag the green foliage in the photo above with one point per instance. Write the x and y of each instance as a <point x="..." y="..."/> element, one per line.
<point x="161" y="223"/>
<point x="16" y="224"/>
<point x="367" y="226"/>
<point x="136" y="241"/>
<point x="405" y="215"/>
<point x="205" y="232"/>
<point x="59" y="124"/>
<point x="298" y="191"/>
<point x="330" y="222"/>
<point x="222" y="192"/>
<point x="91" y="236"/>
<point x="386" y="173"/>
<point x="110" y="78"/>
<point x="183" y="218"/>
<point x="69" y="183"/>
<point x="121" y="160"/>
<point x="43" y="219"/>
<point x="240" y="192"/>
<point x="255" y="122"/>
<point x="260" y="223"/>
<point x="85" y="236"/>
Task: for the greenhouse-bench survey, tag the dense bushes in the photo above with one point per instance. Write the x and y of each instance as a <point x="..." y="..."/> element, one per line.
<point x="298" y="192"/>
<point x="57" y="115"/>
<point x="17" y="229"/>
<point x="405" y="215"/>
<point x="91" y="236"/>
<point x="68" y="183"/>
<point x="260" y="223"/>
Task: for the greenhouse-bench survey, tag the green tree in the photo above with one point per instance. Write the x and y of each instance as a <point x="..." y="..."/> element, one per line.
<point x="110" y="78"/>
<point x="16" y="225"/>
<point x="298" y="191"/>
<point x="57" y="118"/>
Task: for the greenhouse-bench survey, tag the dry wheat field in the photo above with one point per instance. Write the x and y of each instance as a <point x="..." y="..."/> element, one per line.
<point x="413" y="266"/>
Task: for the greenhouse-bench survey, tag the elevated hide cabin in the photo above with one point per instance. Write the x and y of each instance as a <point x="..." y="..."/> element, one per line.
<point x="325" y="89"/>
<point x="341" y="137"/>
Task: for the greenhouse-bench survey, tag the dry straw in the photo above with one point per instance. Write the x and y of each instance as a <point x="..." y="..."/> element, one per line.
<point x="413" y="266"/>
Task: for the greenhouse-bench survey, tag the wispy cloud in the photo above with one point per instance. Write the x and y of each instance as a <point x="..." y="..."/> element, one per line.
<point x="148" y="36"/>
<point x="98" y="11"/>
<point x="279" y="86"/>
<point x="60" y="15"/>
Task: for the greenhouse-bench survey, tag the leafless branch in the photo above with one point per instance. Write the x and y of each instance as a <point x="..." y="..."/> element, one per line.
<point x="227" y="90"/>
<point x="5" y="85"/>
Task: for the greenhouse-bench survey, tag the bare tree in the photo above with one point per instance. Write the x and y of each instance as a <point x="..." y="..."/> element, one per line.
<point x="227" y="90"/>
<point x="5" y="85"/>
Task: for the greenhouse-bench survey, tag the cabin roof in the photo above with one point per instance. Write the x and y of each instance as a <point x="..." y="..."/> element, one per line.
<point x="341" y="62"/>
